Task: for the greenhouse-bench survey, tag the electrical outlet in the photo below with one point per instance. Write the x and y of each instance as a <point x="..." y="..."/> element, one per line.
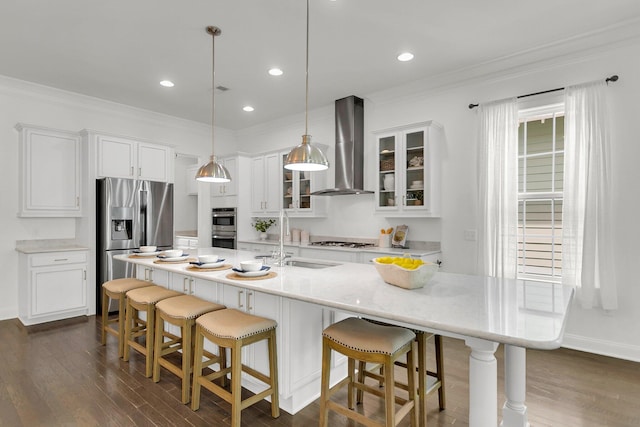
<point x="471" y="235"/>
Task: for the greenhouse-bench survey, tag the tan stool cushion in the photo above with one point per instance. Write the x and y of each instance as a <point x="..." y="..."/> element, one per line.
<point x="151" y="294"/>
<point x="234" y="324"/>
<point x="186" y="306"/>
<point x="360" y="335"/>
<point x="122" y="286"/>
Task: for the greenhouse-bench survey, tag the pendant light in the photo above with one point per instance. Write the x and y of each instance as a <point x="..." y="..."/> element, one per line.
<point x="213" y="171"/>
<point x="306" y="157"/>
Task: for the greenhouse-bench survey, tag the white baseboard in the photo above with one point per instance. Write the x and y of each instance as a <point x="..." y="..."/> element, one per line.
<point x="602" y="347"/>
<point x="7" y="313"/>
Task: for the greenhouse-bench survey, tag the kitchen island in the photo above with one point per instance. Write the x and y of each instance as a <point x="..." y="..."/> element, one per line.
<point x="482" y="311"/>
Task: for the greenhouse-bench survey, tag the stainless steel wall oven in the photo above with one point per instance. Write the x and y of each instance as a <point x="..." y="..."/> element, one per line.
<point x="223" y="228"/>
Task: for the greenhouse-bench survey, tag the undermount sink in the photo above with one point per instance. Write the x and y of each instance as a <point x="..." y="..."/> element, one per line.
<point x="310" y="264"/>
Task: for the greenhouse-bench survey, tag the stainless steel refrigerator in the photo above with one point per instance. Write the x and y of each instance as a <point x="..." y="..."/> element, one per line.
<point x="130" y="213"/>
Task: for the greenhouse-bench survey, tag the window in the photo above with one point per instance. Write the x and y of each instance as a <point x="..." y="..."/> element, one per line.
<point x="540" y="173"/>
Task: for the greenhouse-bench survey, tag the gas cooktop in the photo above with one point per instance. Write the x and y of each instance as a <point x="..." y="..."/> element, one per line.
<point x="353" y="245"/>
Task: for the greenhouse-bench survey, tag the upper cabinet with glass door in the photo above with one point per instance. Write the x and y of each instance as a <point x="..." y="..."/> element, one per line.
<point x="408" y="170"/>
<point x="297" y="187"/>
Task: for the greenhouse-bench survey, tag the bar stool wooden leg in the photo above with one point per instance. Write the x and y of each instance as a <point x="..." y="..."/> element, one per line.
<point x="105" y="314"/>
<point x="273" y="370"/>
<point x="236" y="384"/>
<point x="440" y="371"/>
<point x="324" y="383"/>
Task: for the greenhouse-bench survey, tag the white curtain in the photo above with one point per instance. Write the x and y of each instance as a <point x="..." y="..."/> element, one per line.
<point x="498" y="189"/>
<point x="586" y="211"/>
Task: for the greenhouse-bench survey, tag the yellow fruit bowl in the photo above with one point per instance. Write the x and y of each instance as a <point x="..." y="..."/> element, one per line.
<point x="411" y="274"/>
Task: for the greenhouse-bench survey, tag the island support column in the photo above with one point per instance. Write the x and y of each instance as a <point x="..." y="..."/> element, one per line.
<point x="483" y="383"/>
<point x="514" y="411"/>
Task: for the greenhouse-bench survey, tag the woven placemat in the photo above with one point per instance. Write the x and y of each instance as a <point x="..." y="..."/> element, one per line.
<point x="142" y="257"/>
<point x="222" y="267"/>
<point x="234" y="276"/>
<point x="160" y="261"/>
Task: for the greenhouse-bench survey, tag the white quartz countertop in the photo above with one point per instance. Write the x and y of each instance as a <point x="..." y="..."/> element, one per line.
<point x="522" y="313"/>
<point x="48" y="245"/>
<point x="371" y="249"/>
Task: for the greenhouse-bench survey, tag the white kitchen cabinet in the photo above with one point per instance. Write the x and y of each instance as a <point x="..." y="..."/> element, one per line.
<point x="119" y="157"/>
<point x="183" y="242"/>
<point x="53" y="286"/>
<point x="260" y="304"/>
<point x="222" y="189"/>
<point x="408" y="170"/>
<point x="265" y="185"/>
<point x="190" y="179"/>
<point x="297" y="187"/>
<point x="204" y="289"/>
<point x="157" y="276"/>
<point x="50" y="171"/>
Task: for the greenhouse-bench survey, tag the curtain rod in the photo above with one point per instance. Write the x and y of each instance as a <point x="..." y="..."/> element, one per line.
<point x="613" y="78"/>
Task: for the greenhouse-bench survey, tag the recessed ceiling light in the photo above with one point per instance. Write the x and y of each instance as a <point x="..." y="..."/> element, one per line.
<point x="167" y="83"/>
<point x="405" y="56"/>
<point x="248" y="108"/>
<point x="275" y="72"/>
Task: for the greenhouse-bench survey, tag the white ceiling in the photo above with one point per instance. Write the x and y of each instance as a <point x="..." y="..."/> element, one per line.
<point x="120" y="49"/>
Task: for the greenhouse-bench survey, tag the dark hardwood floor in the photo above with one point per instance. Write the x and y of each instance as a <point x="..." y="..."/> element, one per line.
<point x="59" y="375"/>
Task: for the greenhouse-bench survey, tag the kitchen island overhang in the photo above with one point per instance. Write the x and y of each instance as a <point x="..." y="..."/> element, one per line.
<point x="483" y="311"/>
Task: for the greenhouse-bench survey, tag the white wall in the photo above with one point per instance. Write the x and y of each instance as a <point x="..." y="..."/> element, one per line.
<point x="22" y="102"/>
<point x="614" y="333"/>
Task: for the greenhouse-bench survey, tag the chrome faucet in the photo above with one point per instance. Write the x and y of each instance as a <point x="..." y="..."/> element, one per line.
<point x="281" y="255"/>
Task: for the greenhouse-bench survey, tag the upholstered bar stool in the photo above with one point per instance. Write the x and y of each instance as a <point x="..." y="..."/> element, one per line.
<point x="180" y="311"/>
<point x="117" y="289"/>
<point x="143" y="300"/>
<point x="428" y="381"/>
<point x="235" y="329"/>
<point x="367" y="342"/>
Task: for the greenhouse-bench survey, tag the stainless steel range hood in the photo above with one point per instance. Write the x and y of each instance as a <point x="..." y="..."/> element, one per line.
<point x="349" y="162"/>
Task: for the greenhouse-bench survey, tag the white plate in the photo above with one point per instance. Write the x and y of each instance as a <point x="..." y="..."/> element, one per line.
<point x="252" y="273"/>
<point x="208" y="265"/>
<point x="177" y="258"/>
<point x="138" y="253"/>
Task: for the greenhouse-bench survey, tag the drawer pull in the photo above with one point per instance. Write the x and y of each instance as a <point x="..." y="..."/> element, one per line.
<point x="61" y="259"/>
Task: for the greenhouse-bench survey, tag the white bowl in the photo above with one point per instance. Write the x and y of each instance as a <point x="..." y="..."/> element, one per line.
<point x="404" y="278"/>
<point x="173" y="253"/>
<point x="208" y="259"/>
<point x="148" y="248"/>
<point x="253" y="265"/>
<point x="417" y="183"/>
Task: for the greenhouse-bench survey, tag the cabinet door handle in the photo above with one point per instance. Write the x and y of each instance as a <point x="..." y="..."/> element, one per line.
<point x="249" y="308"/>
<point x="184" y="284"/>
<point x="240" y="305"/>
<point x="77" y="201"/>
<point x="84" y="274"/>
<point x="151" y="275"/>
<point x="404" y="202"/>
<point x="191" y="286"/>
<point x="131" y="170"/>
<point x="139" y="171"/>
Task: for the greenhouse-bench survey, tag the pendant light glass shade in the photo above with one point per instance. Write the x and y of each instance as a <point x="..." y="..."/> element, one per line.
<point x="306" y="157"/>
<point x="213" y="171"/>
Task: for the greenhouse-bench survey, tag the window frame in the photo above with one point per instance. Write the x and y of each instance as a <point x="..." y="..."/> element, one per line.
<point x="526" y="115"/>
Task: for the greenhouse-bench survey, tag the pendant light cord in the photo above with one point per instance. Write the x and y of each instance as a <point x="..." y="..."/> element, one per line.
<point x="214" y="31"/>
<point x="306" y="102"/>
